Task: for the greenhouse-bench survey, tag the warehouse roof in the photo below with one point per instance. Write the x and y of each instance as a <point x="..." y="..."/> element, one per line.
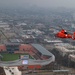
<point x="41" y="49"/>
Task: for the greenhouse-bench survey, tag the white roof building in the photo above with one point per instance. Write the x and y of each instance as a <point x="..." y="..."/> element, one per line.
<point x="52" y="41"/>
<point x="4" y="25"/>
<point x="65" y="51"/>
<point x="72" y="57"/>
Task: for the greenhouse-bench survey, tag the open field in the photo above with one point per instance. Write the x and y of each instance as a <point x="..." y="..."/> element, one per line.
<point x="11" y="57"/>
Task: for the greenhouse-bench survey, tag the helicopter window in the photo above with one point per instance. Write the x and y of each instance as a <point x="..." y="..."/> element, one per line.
<point x="65" y="33"/>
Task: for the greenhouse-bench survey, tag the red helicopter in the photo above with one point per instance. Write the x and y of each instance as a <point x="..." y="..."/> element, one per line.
<point x="64" y="34"/>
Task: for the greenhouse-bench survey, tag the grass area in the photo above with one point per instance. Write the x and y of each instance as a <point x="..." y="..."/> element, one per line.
<point x="11" y="57"/>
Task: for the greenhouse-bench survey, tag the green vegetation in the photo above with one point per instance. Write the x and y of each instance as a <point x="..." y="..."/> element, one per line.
<point x="11" y="57"/>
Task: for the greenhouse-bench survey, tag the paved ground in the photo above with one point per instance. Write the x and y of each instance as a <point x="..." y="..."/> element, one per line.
<point x="39" y="72"/>
<point x="12" y="71"/>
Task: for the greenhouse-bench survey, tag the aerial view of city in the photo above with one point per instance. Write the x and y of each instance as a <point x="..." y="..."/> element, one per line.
<point x="37" y="37"/>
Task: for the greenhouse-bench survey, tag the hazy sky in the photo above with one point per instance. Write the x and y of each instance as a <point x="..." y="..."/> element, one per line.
<point x="42" y="3"/>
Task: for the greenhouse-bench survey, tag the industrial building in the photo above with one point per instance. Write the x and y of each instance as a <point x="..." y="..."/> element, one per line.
<point x="66" y="54"/>
<point x="65" y="48"/>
